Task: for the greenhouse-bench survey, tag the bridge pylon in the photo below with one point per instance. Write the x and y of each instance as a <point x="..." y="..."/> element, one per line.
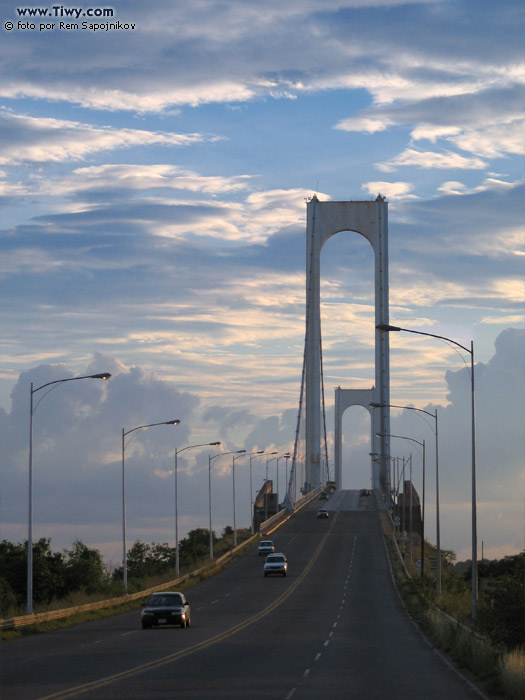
<point x="325" y="219"/>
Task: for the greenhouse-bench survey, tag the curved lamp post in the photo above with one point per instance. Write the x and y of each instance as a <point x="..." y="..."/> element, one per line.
<point x="32" y="409"/>
<point x="254" y="455"/>
<point x="386" y="328"/>
<point x="177" y="452"/>
<point x="438" y="527"/>
<point x="266" y="495"/>
<point x="286" y="456"/>
<point x="404" y="437"/>
<point x="124" y="553"/>
<point x="210" y="460"/>
<point x="242" y="453"/>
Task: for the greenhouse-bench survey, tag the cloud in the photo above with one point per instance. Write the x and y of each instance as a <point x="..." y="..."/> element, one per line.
<point x="239" y="53"/>
<point x="37" y="139"/>
<point x="392" y="190"/>
<point x="430" y="159"/>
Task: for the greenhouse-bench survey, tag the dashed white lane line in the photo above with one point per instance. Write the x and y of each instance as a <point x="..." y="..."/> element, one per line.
<point x="327" y="642"/>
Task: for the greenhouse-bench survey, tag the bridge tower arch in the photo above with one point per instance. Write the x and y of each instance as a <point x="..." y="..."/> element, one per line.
<point x="345" y="398"/>
<point x="325" y="219"/>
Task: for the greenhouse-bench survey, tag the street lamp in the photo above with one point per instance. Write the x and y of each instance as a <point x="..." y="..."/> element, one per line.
<point x="266" y="494"/>
<point x="252" y="456"/>
<point x="124" y="553"/>
<point x="287" y="456"/>
<point x="438" y="528"/>
<point x="103" y="375"/>
<point x="242" y="453"/>
<point x="210" y="460"/>
<point x="386" y="328"/>
<point x="177" y="452"/>
<point x="403" y="437"/>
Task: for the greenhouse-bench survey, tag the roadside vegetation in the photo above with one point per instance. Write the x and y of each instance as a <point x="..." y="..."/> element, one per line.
<point x="79" y="575"/>
<point x="493" y="647"/>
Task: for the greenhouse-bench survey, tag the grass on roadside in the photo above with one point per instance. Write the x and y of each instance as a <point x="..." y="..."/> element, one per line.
<point x="449" y="628"/>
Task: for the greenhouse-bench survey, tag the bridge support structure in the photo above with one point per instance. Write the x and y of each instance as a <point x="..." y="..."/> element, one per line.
<point x="344" y="398"/>
<point x="325" y="219"/>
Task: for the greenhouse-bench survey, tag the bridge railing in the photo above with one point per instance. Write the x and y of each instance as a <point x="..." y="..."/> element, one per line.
<point x="268" y="526"/>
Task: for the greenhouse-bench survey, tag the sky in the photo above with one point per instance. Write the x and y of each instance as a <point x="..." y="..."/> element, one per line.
<point x="154" y="172"/>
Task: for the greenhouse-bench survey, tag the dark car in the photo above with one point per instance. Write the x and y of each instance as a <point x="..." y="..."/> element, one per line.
<point x="322" y="513"/>
<point x="323" y="496"/>
<point x="167" y="608"/>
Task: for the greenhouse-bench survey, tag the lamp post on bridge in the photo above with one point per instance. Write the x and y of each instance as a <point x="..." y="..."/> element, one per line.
<point x="286" y="455"/>
<point x="32" y="409"/>
<point x="176" y="421"/>
<point x="178" y="452"/>
<point x="210" y="460"/>
<point x="253" y="456"/>
<point x="242" y="453"/>
<point x="422" y="444"/>
<point x="266" y="494"/>
<point x="386" y="328"/>
<point x="438" y="527"/>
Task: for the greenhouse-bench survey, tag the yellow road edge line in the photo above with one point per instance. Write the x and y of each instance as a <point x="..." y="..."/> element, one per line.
<point x="85" y="688"/>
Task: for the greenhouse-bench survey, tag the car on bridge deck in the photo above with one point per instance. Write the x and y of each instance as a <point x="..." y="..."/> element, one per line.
<point x="266" y="547"/>
<point x="166" y="608"/>
<point x="323" y="496"/>
<point x="322" y="513"/>
<point x="276" y="564"/>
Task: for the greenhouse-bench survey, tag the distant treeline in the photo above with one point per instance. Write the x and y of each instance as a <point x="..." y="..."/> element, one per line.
<point x="59" y="575"/>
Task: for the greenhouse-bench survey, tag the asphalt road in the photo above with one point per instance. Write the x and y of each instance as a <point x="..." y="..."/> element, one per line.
<point x="333" y="628"/>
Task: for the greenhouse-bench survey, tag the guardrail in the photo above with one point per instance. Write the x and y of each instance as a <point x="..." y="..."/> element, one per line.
<point x="267" y="527"/>
<point x="36" y="618"/>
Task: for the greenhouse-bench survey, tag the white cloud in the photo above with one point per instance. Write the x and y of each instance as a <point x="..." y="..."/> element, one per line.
<point x="431" y="160"/>
<point x="494" y="140"/>
<point x="392" y="190"/>
<point x="32" y="139"/>
<point x="370" y="125"/>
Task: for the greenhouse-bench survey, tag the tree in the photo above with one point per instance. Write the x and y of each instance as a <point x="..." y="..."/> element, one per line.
<point x="84" y="569"/>
<point x="194" y="546"/>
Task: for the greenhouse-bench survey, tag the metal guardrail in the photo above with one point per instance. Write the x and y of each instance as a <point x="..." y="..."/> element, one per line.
<point x="283" y="515"/>
<point x="37" y="618"/>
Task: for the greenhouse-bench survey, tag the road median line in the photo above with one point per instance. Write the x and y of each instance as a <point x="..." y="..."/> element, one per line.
<point x="92" y="685"/>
